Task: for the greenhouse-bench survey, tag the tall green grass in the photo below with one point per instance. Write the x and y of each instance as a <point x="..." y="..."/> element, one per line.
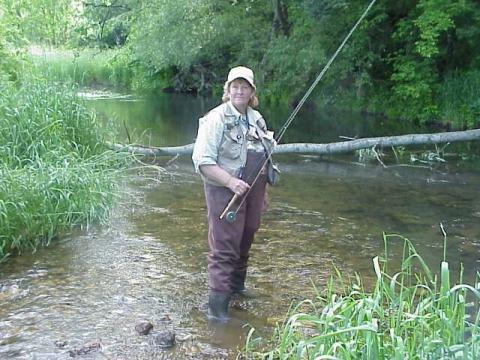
<point x="89" y="67"/>
<point x="459" y="100"/>
<point x="410" y="314"/>
<point x="104" y="68"/>
<point x="54" y="169"/>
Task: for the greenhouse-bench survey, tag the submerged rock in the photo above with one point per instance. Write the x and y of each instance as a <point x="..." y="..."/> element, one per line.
<point x="12" y="292"/>
<point x="144" y="327"/>
<point x="86" y="349"/>
<point x="60" y="344"/>
<point x="164" y="339"/>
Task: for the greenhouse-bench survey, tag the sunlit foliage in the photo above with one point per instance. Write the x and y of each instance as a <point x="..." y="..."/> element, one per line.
<point x="399" y="61"/>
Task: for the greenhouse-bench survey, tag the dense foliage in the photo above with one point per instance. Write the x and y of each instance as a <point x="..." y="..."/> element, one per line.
<point x="54" y="170"/>
<point x="10" y="57"/>
<point x="403" y="60"/>
<point x="411" y="59"/>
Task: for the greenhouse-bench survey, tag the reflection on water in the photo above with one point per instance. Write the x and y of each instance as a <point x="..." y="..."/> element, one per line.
<point x="166" y="120"/>
<point x="171" y="119"/>
<point x="94" y="285"/>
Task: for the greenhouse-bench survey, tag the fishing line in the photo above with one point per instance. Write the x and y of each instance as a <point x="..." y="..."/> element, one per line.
<point x="231" y="215"/>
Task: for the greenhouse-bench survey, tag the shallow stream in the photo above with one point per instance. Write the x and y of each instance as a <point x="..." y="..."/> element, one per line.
<point x="88" y="290"/>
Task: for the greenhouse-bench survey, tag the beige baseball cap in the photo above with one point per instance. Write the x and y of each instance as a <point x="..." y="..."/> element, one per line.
<point x="241" y="72"/>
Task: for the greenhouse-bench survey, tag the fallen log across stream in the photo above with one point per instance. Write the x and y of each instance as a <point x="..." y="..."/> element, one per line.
<point x="330" y="148"/>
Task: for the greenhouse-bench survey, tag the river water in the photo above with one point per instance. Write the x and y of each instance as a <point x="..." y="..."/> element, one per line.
<point x="83" y="295"/>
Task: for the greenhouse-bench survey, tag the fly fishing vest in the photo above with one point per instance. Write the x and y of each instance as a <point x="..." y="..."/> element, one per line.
<point x="232" y="152"/>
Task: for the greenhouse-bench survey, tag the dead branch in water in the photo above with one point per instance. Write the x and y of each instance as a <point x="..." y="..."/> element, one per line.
<point x="331" y="148"/>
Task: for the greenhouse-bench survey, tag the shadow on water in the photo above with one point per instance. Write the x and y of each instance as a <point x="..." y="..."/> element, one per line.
<point x="88" y="290"/>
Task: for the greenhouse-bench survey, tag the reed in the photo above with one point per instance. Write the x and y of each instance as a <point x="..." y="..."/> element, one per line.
<point x="55" y="171"/>
<point x="89" y="67"/>
<point x="409" y="314"/>
<point x="459" y="101"/>
<point x="111" y="68"/>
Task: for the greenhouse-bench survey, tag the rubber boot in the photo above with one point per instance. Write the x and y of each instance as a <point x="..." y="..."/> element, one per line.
<point x="218" y="306"/>
<point x="238" y="284"/>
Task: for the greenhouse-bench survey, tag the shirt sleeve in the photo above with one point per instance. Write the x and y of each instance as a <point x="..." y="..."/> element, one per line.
<point x="209" y="137"/>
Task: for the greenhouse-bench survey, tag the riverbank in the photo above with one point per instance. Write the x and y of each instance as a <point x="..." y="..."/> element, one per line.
<point x="456" y="106"/>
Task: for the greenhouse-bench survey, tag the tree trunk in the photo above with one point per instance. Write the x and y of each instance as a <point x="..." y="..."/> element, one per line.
<point x="331" y="148"/>
<point x="280" y="18"/>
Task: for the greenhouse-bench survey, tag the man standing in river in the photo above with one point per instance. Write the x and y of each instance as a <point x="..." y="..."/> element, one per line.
<point x="230" y="147"/>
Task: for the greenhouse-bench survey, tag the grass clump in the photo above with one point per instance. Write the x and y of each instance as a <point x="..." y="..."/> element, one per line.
<point x="459" y="101"/>
<point x="409" y="314"/>
<point x="55" y="171"/>
<point x="89" y="67"/>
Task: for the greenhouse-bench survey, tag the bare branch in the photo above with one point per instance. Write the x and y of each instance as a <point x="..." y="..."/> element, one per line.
<point x="331" y="148"/>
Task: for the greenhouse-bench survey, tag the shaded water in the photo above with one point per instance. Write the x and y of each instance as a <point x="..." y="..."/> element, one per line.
<point x="94" y="285"/>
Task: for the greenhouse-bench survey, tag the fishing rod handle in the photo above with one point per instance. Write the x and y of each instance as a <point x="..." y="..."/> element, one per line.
<point x="225" y="211"/>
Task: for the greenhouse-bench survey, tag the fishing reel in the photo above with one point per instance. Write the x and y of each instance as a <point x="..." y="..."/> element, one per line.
<point x="231" y="216"/>
<point x="228" y="214"/>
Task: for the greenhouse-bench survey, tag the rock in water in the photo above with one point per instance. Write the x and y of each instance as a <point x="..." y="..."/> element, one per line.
<point x="165" y="339"/>
<point x="94" y="346"/>
<point x="144" y="327"/>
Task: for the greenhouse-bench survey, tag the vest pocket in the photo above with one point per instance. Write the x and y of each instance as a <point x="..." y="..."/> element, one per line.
<point x="231" y="149"/>
<point x="232" y="146"/>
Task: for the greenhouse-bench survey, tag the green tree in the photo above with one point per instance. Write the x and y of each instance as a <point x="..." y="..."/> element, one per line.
<point x="10" y="58"/>
<point x="422" y="48"/>
<point x="105" y="22"/>
<point x="399" y="61"/>
<point x="197" y="40"/>
<point x="41" y="21"/>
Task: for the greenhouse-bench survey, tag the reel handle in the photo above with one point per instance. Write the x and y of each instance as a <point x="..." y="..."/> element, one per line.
<point x="229" y="205"/>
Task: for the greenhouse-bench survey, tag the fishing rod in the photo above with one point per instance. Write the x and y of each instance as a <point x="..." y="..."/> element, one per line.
<point x="232" y="215"/>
